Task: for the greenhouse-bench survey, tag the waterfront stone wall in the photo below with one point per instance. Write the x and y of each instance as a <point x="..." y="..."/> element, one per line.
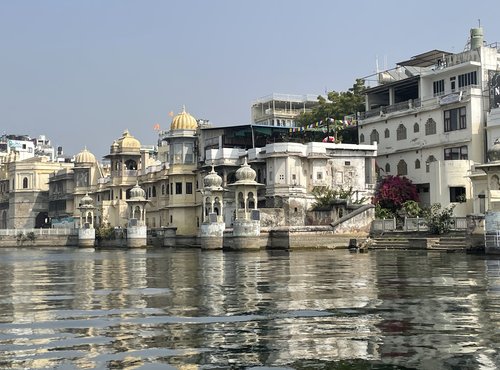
<point x="40" y="241"/>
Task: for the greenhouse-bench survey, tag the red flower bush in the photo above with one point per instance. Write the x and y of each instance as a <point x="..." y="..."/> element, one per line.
<point x="393" y="191"/>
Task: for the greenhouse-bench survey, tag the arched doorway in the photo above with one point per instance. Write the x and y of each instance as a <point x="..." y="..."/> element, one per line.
<point x="42" y="220"/>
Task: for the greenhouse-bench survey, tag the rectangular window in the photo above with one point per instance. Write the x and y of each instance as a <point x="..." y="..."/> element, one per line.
<point x="457" y="194"/>
<point x="455" y="119"/>
<point x="455" y="153"/>
<point x="178" y="188"/>
<point x="189" y="153"/>
<point x="438" y="87"/>
<point x="189" y="188"/>
<point x="467" y="79"/>
<point x="177" y="153"/>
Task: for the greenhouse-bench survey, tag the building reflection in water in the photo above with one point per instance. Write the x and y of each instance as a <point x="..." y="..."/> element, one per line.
<point x="183" y="308"/>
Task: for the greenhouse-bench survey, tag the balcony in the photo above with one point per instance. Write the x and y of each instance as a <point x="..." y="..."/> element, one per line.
<point x="429" y="102"/>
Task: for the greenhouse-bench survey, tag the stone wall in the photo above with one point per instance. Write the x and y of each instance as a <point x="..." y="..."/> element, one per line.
<point x="40" y="241"/>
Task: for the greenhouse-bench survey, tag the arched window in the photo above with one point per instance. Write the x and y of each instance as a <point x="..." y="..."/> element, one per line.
<point x="251" y="201"/>
<point x="417" y="164"/>
<point x="401" y="132"/>
<point x="429" y="160"/>
<point x="430" y="127"/>
<point x="154" y="191"/>
<point x="402" y="168"/>
<point x="387" y="168"/>
<point x="416" y="127"/>
<point x="25" y="183"/>
<point x="131" y="164"/>
<point x="374" y="137"/>
<point x="137" y="213"/>
<point x="387" y="133"/>
<point x="361" y="138"/>
<point x="162" y="189"/>
<point x="208" y="206"/>
<point x="494" y="183"/>
<point x="241" y="200"/>
<point x="217" y="206"/>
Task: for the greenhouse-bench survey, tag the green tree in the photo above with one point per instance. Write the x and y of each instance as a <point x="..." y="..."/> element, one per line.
<point x="334" y="108"/>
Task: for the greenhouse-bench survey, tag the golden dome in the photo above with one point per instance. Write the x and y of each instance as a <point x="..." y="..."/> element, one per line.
<point x="128" y="143"/>
<point x="184" y="121"/>
<point x="85" y="157"/>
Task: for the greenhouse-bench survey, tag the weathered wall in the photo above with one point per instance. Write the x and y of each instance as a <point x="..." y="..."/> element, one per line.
<point x="272" y="217"/>
<point x="40" y="241"/>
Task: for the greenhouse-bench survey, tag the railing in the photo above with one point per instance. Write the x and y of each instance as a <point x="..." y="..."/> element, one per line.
<point x="55" y="231"/>
<point x="414" y="224"/>
<point x="416" y="103"/>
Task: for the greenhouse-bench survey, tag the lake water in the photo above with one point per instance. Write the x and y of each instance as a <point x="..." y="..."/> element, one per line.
<point x="192" y="309"/>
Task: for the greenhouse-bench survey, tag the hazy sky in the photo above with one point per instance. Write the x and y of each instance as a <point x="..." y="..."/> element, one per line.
<point x="81" y="72"/>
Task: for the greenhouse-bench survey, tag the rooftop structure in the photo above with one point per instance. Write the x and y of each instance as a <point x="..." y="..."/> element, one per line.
<point x="281" y="109"/>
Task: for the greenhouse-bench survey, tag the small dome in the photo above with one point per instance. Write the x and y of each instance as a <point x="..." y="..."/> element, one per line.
<point x="86" y="200"/>
<point x="85" y="157"/>
<point x="184" y="121"/>
<point x="127" y="143"/>
<point x="494" y="151"/>
<point x="246" y="173"/>
<point x="212" y="180"/>
<point x="137" y="193"/>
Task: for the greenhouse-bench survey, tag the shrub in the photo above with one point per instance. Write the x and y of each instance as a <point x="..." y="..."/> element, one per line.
<point x="31" y="236"/>
<point x="439" y="220"/>
<point x="105" y="232"/>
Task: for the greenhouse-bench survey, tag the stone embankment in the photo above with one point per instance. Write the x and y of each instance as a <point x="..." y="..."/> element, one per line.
<point x="453" y="242"/>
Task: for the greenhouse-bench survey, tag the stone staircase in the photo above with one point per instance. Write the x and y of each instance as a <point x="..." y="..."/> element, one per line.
<point x="396" y="243"/>
<point x="448" y="243"/>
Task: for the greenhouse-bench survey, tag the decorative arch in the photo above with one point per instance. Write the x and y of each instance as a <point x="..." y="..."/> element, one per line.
<point x="494" y="183"/>
<point x="241" y="200"/>
<point x="430" y="127"/>
<point x="374" y="137"/>
<point x="402" y="168"/>
<point x="130" y="164"/>
<point x="250" y="201"/>
<point x="401" y="132"/>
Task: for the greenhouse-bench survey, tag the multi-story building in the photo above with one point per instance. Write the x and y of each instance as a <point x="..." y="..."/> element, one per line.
<point x="281" y="109"/>
<point x="428" y="117"/>
<point x="289" y="171"/>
